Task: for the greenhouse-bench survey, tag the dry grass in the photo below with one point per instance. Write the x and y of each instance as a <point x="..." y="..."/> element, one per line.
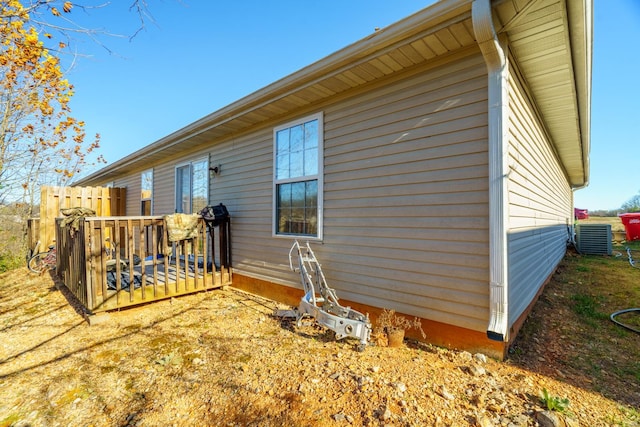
<point x="13" y="250"/>
<point x="571" y="324"/>
<point x="616" y="223"/>
<point x="221" y="358"/>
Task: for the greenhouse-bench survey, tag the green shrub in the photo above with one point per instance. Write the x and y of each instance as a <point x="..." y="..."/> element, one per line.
<point x="11" y="262"/>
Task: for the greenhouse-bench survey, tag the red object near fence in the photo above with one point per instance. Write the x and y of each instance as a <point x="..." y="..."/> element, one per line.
<point x="631" y="223"/>
<point x="581" y="213"/>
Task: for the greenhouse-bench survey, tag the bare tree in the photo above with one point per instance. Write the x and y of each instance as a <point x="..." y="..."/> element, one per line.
<point x="41" y="142"/>
<point x="632" y="205"/>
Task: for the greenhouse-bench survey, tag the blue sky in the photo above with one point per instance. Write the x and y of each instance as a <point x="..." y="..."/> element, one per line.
<point x="198" y="56"/>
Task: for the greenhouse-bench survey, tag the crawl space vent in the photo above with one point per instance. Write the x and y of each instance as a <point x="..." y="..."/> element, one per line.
<point x="594" y="239"/>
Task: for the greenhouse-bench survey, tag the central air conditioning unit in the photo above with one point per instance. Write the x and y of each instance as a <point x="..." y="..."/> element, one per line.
<point x="593" y="239"/>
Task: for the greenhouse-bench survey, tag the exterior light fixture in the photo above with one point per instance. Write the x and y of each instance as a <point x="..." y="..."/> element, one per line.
<point x="214" y="170"/>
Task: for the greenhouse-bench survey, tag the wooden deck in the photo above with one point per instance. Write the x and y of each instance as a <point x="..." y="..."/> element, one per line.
<point x="159" y="283"/>
<point x="113" y="262"/>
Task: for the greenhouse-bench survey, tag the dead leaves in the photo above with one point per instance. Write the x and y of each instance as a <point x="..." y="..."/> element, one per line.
<point x="66" y="8"/>
<point x="40" y="95"/>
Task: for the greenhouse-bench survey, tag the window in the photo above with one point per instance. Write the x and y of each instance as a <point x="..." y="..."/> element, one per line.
<point x="192" y="187"/>
<point x="146" y="192"/>
<point x="298" y="178"/>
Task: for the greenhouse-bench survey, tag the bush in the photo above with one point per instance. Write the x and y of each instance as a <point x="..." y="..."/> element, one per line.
<point x="13" y="237"/>
<point x="11" y="262"/>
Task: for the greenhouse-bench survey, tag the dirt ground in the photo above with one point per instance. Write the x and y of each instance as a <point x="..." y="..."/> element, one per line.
<point x="221" y="358"/>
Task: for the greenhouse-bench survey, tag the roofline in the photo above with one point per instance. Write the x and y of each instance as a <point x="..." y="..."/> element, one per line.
<point x="580" y="15"/>
<point x="580" y="26"/>
<point x="431" y="15"/>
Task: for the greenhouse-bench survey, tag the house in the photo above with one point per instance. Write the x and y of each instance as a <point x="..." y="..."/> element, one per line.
<point x="431" y="165"/>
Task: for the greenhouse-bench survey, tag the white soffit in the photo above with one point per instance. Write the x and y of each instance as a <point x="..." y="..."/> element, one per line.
<point x="551" y="41"/>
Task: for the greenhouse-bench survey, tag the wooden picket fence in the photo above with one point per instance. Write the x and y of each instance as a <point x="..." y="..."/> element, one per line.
<point x="105" y="201"/>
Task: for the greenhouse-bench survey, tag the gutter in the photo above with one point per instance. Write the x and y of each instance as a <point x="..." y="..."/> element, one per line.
<point x="493" y="51"/>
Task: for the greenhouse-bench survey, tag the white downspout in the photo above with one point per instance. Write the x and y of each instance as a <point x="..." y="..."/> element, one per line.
<point x="496" y="60"/>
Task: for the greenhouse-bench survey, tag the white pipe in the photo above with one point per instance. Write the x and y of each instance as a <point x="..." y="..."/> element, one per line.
<point x="496" y="60"/>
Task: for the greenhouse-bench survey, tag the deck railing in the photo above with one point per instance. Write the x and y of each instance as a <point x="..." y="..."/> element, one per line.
<point x="114" y="262"/>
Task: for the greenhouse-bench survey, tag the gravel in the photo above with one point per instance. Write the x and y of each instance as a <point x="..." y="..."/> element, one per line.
<point x="221" y="358"/>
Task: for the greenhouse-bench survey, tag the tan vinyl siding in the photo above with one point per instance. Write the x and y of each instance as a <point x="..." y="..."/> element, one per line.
<point x="164" y="191"/>
<point x="540" y="202"/>
<point x="133" y="185"/>
<point x="405" y="200"/>
<point x="163" y="185"/>
<point x="245" y="187"/>
<point x="405" y="195"/>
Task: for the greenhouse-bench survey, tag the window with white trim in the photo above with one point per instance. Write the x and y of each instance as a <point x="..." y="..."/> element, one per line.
<point x="192" y="186"/>
<point x="146" y="192"/>
<point x="298" y="156"/>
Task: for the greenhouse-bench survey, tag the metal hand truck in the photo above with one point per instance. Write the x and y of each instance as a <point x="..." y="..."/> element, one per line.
<point x="321" y="303"/>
